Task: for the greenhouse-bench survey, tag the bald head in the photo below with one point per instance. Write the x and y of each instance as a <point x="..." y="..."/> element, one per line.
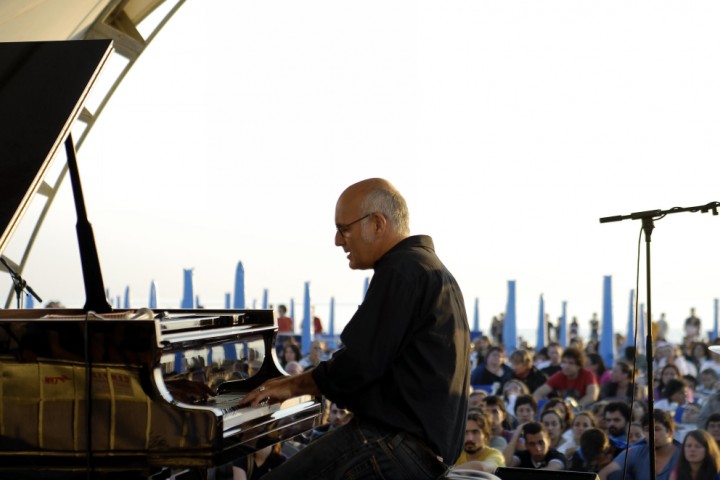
<point x="371" y="217"/>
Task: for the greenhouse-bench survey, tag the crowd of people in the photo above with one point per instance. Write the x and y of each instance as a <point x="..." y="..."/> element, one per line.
<point x="565" y="409"/>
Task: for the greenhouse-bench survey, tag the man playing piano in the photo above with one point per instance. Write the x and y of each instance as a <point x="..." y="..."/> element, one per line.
<point x="403" y="371"/>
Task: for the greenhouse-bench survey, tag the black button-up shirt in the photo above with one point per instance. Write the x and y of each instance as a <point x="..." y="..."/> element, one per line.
<point x="405" y="360"/>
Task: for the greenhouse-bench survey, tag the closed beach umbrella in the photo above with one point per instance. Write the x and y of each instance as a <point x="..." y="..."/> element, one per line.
<point x="307" y="322"/>
<point x="476" y="316"/>
<point x="509" y="325"/>
<point x="239" y="299"/>
<point x="152" y="301"/>
<point x="607" y="342"/>
<point x="541" y="334"/>
<point x="630" y="339"/>
<point x="188" y="296"/>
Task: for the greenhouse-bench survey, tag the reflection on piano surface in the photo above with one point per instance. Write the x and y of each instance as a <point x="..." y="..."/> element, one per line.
<point x="146" y="377"/>
<point x="92" y="390"/>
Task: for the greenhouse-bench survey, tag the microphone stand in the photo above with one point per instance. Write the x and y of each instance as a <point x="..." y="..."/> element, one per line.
<point x="647" y="218"/>
<point x="19" y="284"/>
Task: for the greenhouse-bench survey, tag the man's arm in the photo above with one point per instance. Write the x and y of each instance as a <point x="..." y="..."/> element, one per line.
<point x="609" y="468"/>
<point x="555" y="464"/>
<point x="542" y="391"/>
<point x="509" y="452"/>
<point x="591" y="395"/>
<point x="282" y="388"/>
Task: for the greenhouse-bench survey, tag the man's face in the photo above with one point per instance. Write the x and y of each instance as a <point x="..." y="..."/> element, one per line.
<point x="338" y="416"/>
<point x="663" y="436"/>
<point x="519" y="368"/>
<point x="554" y="353"/>
<point x="353" y="232"/>
<point x="570" y="367"/>
<point x="615" y="423"/>
<point x="713" y="429"/>
<point x="477" y="401"/>
<point x="495" y="358"/>
<point x="524" y="413"/>
<point x="474" y="437"/>
<point x="537" y="444"/>
<point x="495" y="413"/>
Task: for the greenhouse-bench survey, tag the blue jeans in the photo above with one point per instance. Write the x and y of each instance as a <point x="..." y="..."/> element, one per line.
<point x="362" y="450"/>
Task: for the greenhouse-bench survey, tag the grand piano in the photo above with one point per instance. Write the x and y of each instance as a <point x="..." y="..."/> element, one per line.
<point x="97" y="392"/>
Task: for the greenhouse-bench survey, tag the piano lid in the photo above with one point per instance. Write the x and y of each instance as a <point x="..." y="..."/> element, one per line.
<point x="43" y="86"/>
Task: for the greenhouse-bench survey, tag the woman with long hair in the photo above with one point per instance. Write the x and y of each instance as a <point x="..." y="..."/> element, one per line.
<point x="555" y="426"/>
<point x="699" y="459"/>
<point x="583" y="421"/>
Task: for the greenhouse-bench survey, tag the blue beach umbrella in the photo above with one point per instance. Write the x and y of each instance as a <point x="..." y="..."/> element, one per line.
<point x="509" y="325"/>
<point x="152" y="301"/>
<point x="332" y="317"/>
<point x="30" y="301"/>
<point x="563" y="326"/>
<point x="541" y="334"/>
<point x="239" y="300"/>
<point x="126" y="302"/>
<point x="117" y="302"/>
<point x="188" y="296"/>
<point x="715" y="323"/>
<point x="476" y="316"/>
<point x="265" y="298"/>
<point x="307" y="322"/>
<point x="228" y="300"/>
<point x="292" y="310"/>
<point x="630" y="339"/>
<point x="366" y="285"/>
<point x="607" y="342"/>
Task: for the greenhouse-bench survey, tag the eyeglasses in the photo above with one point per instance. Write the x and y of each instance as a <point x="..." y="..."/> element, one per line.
<point x="344" y="229"/>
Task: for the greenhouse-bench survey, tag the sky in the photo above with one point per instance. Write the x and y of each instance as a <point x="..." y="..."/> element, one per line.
<point x="509" y="127"/>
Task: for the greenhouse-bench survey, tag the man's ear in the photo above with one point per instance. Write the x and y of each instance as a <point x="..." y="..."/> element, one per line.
<point x="379" y="223"/>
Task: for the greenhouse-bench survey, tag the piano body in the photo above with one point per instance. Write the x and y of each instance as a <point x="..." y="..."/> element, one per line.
<point x="97" y="390"/>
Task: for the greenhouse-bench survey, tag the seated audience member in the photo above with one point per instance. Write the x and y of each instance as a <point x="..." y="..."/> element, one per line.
<point x="554" y="354"/>
<point x="500" y="427"/>
<point x="709" y="407"/>
<point x="583" y="421"/>
<point x="555" y="426"/>
<point x="617" y="421"/>
<point x="708" y="384"/>
<point x="476" y="454"/>
<point x="598" y="409"/>
<point x="512" y="389"/>
<point x="526" y="409"/>
<point x="314" y="356"/>
<point x="562" y="407"/>
<point x="596" y="365"/>
<point x="537" y="453"/>
<point x="700" y="458"/>
<point x="476" y="400"/>
<point x="674" y="395"/>
<point x="524" y="370"/>
<point x="636" y="432"/>
<point x="667" y="452"/>
<point x="712" y="425"/>
<point x="493" y="371"/>
<point x="669" y="354"/>
<point x="573" y="380"/>
<point x="639" y="409"/>
<point x="594" y="452"/>
<point x="294" y="368"/>
<point x="622" y="381"/>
